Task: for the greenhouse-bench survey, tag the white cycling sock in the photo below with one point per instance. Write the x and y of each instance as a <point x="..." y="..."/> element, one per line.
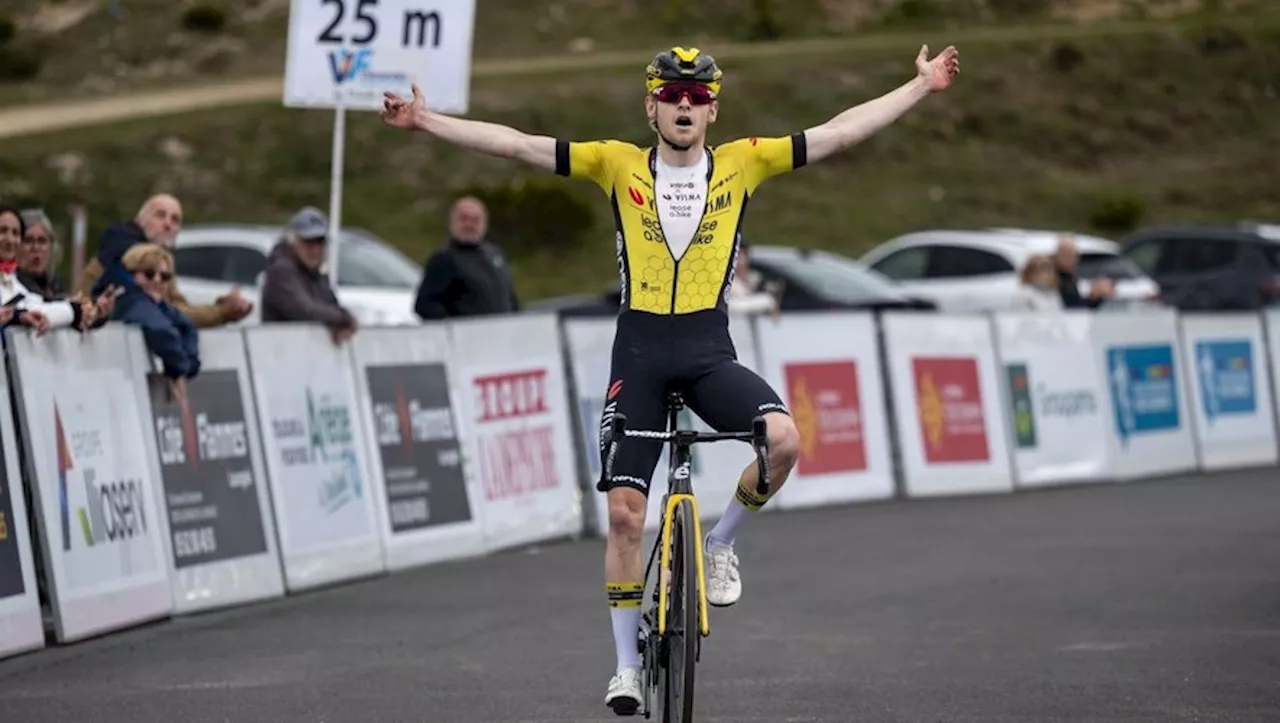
<point x="624" y="610"/>
<point x="734" y="514"/>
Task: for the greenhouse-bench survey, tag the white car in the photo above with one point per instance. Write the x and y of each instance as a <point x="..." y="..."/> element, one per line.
<point x="978" y="270"/>
<point x="376" y="282"/>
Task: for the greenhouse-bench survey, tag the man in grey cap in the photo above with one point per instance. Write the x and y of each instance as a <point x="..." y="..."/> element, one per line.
<point x="294" y="288"/>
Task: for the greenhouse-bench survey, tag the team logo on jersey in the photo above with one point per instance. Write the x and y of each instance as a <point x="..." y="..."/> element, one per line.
<point x="636" y="196"/>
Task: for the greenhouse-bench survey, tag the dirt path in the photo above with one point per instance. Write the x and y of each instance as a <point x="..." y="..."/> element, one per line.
<point x="49" y="117"/>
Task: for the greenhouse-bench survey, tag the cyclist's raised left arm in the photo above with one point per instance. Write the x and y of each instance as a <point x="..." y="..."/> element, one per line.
<point x="862" y="121"/>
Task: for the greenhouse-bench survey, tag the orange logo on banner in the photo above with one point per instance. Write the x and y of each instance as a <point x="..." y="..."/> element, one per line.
<point x="949" y="404"/>
<point x="827" y="411"/>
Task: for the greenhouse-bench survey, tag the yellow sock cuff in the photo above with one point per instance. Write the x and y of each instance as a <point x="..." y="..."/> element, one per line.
<point x="624" y="594"/>
<point x="750" y="500"/>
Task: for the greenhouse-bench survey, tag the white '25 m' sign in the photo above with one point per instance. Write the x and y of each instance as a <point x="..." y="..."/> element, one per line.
<point x="355" y="50"/>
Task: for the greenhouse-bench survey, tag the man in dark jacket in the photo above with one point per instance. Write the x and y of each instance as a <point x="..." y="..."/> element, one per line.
<point x="294" y="288"/>
<point x="1067" y="263"/>
<point x="469" y="276"/>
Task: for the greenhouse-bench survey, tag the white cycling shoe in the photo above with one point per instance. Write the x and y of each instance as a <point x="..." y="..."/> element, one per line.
<point x="724" y="586"/>
<point x="624" y="692"/>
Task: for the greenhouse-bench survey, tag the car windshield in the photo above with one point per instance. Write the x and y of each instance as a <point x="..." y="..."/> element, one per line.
<point x="1093" y="265"/>
<point x="833" y="279"/>
<point x="365" y="262"/>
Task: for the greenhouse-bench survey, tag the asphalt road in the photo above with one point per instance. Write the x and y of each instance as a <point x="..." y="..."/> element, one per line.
<point x="1157" y="601"/>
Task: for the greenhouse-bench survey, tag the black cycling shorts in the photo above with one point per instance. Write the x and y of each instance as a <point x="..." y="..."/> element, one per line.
<point x="692" y="354"/>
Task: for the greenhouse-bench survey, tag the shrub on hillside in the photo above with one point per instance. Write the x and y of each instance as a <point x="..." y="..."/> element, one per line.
<point x="535" y="215"/>
<point x="1118" y="213"/>
<point x="18" y="64"/>
<point x="204" y="18"/>
<point x="8" y="29"/>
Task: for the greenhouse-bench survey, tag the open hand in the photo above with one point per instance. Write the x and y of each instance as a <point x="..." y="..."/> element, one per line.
<point x="941" y="71"/>
<point x="402" y="113"/>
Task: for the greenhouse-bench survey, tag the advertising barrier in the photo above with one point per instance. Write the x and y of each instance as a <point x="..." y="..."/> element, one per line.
<point x="1225" y="355"/>
<point x="82" y="402"/>
<point x="513" y="413"/>
<point x="206" y="451"/>
<point x="1146" y="402"/>
<point x="321" y="489"/>
<point x="428" y="512"/>
<point x="948" y="404"/>
<point x="1053" y="388"/>
<point x="21" y="625"/>
<point x="826" y="367"/>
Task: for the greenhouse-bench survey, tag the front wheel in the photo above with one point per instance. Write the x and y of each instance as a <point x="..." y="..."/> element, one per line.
<point x="682" y="619"/>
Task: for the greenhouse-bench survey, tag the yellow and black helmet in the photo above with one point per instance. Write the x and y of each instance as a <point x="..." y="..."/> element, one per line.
<point x="679" y="64"/>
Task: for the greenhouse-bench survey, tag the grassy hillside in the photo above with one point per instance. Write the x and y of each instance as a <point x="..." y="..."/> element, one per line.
<point x="1087" y="134"/>
<point x="56" y="48"/>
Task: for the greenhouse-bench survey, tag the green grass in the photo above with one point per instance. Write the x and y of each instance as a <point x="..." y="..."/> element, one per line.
<point x="1180" y="124"/>
<point x="104" y="47"/>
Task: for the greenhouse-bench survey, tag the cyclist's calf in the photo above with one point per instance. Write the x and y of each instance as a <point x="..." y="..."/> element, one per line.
<point x="627" y="509"/>
<point x="784" y="450"/>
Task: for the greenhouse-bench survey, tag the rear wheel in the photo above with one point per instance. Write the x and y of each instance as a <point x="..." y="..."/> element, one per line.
<point x="682" y="620"/>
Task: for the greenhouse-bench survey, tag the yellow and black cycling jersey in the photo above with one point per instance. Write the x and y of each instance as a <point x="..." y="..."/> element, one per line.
<point x="653" y="281"/>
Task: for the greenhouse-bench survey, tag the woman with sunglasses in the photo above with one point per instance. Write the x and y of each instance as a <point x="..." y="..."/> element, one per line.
<point x="144" y="274"/>
<point x="678" y="206"/>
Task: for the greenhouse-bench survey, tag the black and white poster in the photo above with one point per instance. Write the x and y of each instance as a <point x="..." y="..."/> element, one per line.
<point x="209" y="488"/>
<point x="418" y="445"/>
<point x="10" y="561"/>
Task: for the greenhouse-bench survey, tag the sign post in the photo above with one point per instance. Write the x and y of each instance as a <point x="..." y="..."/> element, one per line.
<point x="344" y="54"/>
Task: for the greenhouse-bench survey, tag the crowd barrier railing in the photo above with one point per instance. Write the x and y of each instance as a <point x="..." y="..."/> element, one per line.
<point x="293" y="463"/>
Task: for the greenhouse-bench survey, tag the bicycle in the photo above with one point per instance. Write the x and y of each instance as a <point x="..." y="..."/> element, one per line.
<point x="679" y="598"/>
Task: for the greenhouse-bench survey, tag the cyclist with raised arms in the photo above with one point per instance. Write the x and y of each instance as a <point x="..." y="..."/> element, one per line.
<point x="678" y="207"/>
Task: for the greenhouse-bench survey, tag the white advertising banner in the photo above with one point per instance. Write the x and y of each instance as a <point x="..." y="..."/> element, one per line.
<point x="206" y="451"/>
<point x="1148" y="431"/>
<point x="21" y="626"/>
<point x="508" y="378"/>
<point x="948" y="404"/>
<point x="826" y="367"/>
<point x="429" y="511"/>
<point x="357" y="49"/>
<point x="1226" y="358"/>
<point x="325" y="499"/>
<point x="82" y="408"/>
<point x="1054" y="390"/>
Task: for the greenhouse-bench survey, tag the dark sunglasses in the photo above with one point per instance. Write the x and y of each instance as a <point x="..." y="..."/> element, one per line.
<point x="315" y="241"/>
<point x="673" y="92"/>
<point x="152" y="275"/>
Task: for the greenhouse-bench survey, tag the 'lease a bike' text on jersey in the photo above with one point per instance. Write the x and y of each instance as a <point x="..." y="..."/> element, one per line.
<point x="653" y="280"/>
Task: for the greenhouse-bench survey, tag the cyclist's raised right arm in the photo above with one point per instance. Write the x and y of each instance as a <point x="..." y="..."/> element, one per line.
<point x="490" y="138"/>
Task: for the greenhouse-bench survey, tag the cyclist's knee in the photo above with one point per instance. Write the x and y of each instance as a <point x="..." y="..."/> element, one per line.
<point x="626" y="514"/>
<point x="784" y="440"/>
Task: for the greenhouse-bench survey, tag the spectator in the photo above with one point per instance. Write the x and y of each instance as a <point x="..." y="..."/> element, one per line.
<point x="469" y="276"/>
<point x="294" y="288"/>
<point x="37" y="261"/>
<point x="1067" y="261"/>
<point x="21" y="306"/>
<point x="1039" y="289"/>
<point x="145" y="273"/>
<point x="746" y="295"/>
<point x="158" y="221"/>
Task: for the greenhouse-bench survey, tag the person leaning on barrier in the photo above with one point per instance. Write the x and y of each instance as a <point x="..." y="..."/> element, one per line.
<point x="21" y="306"/>
<point x="145" y="273"/>
<point x="747" y="294"/>
<point x="37" y="260"/>
<point x="158" y="221"/>
<point x="1067" y="262"/>
<point x="295" y="289"/>
<point x="1038" y="290"/>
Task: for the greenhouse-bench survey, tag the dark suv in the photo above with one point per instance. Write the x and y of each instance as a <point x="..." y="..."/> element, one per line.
<point x="1210" y="268"/>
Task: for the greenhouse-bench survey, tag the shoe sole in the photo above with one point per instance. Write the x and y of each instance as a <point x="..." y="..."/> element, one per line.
<point x="624" y="705"/>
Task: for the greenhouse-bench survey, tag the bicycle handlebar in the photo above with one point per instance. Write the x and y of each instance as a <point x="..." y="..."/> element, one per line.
<point x="758" y="437"/>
